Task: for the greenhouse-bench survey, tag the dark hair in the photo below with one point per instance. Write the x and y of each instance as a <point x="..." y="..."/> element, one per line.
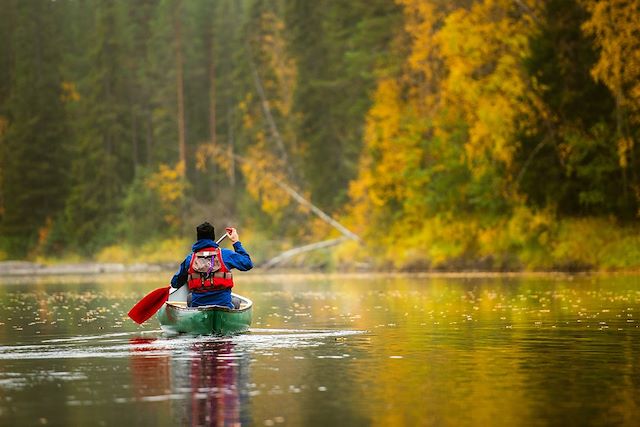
<point x="205" y="231"/>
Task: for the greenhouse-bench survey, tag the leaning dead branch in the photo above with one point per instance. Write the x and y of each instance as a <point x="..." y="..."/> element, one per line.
<point x="284" y="256"/>
<point x="299" y="198"/>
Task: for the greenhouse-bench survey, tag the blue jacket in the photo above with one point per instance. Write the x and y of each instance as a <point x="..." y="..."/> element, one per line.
<point x="238" y="259"/>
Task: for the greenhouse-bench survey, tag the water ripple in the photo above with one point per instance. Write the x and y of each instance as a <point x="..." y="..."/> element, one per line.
<point x="126" y="344"/>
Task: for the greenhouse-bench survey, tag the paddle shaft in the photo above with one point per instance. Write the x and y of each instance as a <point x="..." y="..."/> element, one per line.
<point x="224" y="236"/>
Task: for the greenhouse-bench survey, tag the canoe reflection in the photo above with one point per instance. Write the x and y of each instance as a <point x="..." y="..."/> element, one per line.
<point x="217" y="375"/>
<point x="207" y="384"/>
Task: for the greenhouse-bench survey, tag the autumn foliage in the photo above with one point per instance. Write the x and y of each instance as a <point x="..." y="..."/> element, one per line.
<point x="453" y="134"/>
<point x="492" y="134"/>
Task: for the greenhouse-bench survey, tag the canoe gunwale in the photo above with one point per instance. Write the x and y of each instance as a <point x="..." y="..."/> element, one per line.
<point x="247" y="301"/>
<point x="206" y="320"/>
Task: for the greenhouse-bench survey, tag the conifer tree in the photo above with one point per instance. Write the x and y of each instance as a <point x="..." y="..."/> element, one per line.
<point x="337" y="48"/>
<point x="102" y="164"/>
<point x="33" y="128"/>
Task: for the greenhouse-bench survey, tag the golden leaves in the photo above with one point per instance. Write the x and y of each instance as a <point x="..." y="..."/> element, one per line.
<point x="375" y="185"/>
<point x="274" y="47"/>
<point x="44" y="231"/>
<point x="69" y="92"/>
<point x="615" y="26"/>
<point x="472" y="59"/>
<point x="482" y="48"/>
<point x="204" y="153"/>
<point x="420" y="23"/>
<point x="169" y="185"/>
<point x="625" y="145"/>
<point x="261" y="170"/>
<point x="268" y="120"/>
<point x="449" y="121"/>
<point x="390" y="179"/>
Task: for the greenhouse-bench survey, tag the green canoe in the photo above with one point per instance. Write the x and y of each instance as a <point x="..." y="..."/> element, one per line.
<point x="175" y="316"/>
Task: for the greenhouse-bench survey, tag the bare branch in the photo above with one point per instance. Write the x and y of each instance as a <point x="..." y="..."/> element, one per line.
<point x="266" y="109"/>
<point x="300" y="250"/>
<point x="300" y="199"/>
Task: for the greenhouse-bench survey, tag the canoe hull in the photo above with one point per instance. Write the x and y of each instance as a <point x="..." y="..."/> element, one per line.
<point x="206" y="320"/>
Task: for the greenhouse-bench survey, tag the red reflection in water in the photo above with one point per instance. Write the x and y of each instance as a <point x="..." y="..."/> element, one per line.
<point x="151" y="373"/>
<point x="213" y="376"/>
<point x="215" y="373"/>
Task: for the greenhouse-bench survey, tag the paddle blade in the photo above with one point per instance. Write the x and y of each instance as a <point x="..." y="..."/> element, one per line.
<point x="147" y="306"/>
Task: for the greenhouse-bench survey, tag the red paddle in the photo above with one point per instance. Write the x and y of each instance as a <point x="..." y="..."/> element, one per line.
<point x="147" y="306"/>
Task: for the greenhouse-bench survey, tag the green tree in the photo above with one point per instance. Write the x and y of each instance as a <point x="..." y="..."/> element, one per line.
<point x="34" y="136"/>
<point x="573" y="150"/>
<point x="102" y="163"/>
<point x="337" y="47"/>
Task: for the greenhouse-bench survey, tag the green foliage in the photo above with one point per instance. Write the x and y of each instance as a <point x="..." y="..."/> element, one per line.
<point x="493" y="127"/>
<point x="468" y="134"/>
<point x="578" y="159"/>
<point x="154" y="251"/>
<point x="338" y="48"/>
<point x="599" y="243"/>
<point x="142" y="217"/>
<point x="33" y="126"/>
<point x="101" y="162"/>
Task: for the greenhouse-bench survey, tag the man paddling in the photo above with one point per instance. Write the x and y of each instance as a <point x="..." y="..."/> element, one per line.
<point x="206" y="271"/>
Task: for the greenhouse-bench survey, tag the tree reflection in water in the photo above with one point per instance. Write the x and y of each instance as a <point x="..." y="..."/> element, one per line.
<point x="207" y="384"/>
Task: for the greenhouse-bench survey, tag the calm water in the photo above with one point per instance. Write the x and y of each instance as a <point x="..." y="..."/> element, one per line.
<point x="322" y="351"/>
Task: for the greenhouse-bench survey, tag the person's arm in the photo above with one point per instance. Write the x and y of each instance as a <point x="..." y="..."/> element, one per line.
<point x="238" y="258"/>
<point x="180" y="278"/>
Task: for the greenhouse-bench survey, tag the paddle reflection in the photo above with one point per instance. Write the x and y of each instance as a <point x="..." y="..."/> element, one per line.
<point x="217" y="376"/>
<point x="150" y="370"/>
<point x="207" y="385"/>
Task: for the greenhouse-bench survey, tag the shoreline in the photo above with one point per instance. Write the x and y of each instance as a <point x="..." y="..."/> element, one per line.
<point x="27" y="268"/>
<point x="18" y="269"/>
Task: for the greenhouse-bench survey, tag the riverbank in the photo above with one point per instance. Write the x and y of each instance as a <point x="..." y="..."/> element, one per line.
<point x="521" y="244"/>
<point x="18" y="269"/>
<point x="26" y="268"/>
<point x="526" y="241"/>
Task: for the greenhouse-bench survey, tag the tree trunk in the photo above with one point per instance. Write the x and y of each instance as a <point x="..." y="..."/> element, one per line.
<point x="212" y="90"/>
<point x="232" y="159"/>
<point x="180" y="83"/>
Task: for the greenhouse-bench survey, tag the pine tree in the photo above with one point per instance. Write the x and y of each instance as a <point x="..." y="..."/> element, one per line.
<point x="33" y="149"/>
<point x="336" y="47"/>
<point x="102" y="163"/>
<point x="567" y="152"/>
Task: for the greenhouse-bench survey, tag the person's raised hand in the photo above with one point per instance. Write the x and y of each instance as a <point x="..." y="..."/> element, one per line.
<point x="233" y="234"/>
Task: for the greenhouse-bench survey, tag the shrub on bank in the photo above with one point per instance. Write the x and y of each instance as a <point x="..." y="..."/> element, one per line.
<point x="527" y="241"/>
<point x="153" y="252"/>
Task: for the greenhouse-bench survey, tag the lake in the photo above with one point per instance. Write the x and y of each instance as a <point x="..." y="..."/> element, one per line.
<point x="328" y="350"/>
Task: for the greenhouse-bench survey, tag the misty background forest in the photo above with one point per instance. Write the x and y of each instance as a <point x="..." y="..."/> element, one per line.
<point x="465" y="134"/>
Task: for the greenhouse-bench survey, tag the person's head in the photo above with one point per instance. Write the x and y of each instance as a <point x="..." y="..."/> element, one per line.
<point x="205" y="231"/>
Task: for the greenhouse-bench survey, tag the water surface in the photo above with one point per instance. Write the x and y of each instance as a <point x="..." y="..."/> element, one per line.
<point x="329" y="351"/>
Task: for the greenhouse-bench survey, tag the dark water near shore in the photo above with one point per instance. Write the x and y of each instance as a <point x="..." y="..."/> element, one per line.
<point x="327" y="351"/>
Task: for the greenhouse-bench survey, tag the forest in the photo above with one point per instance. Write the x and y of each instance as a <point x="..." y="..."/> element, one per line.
<point x="440" y="134"/>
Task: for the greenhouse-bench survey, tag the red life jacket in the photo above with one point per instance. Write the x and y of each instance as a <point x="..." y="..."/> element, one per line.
<point x="207" y="271"/>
